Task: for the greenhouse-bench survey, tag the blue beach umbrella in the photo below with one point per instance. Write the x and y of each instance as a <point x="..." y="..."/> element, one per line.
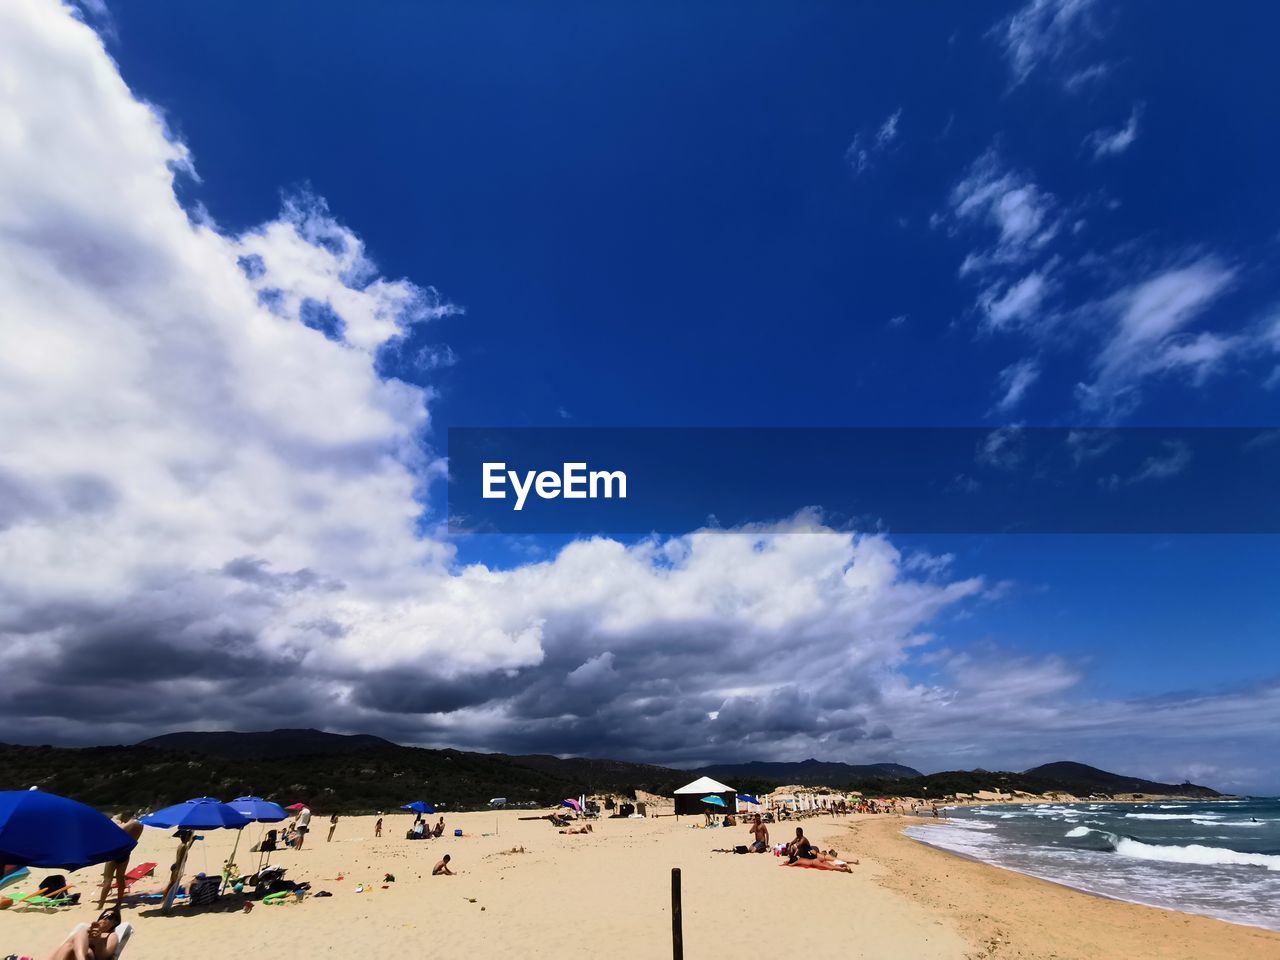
<point x="258" y="810"/>
<point x="202" y="813"/>
<point x="714" y="801"/>
<point x="419" y="806"/>
<point x="40" y="829"/>
<point x="748" y="798"/>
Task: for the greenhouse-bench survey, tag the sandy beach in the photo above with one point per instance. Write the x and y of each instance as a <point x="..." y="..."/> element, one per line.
<point x="609" y="893"/>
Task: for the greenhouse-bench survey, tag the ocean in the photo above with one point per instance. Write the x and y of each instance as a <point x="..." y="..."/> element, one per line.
<point x="1220" y="859"/>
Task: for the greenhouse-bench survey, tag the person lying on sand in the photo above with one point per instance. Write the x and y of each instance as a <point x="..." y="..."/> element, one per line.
<point x="820" y="861"/>
<point x="97" y="941"/>
<point x="441" y="869"/>
<point x="583" y="829"/>
<point x="760" y="833"/>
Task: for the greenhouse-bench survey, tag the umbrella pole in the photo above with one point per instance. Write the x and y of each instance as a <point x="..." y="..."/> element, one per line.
<point x="230" y="861"/>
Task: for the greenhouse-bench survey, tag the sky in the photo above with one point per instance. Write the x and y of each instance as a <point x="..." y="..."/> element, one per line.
<point x="256" y="260"/>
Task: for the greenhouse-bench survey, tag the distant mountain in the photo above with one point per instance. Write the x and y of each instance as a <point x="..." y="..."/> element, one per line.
<point x="361" y="774"/>
<point x="810" y="772"/>
<point x="1083" y="778"/>
<point x="267" y="743"/>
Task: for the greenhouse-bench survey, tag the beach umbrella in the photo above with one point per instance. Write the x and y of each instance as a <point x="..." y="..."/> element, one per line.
<point x="39" y="829"/>
<point x="296" y="807"/>
<point x="258" y="811"/>
<point x="419" y="806"/>
<point x="714" y="801"/>
<point x="571" y="804"/>
<point x="748" y="798"/>
<point x="200" y="813"/>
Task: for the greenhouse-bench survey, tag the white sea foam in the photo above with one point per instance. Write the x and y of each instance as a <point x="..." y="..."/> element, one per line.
<point x="1078" y="832"/>
<point x="1169" y="816"/>
<point x="1231" y="823"/>
<point x="1195" y="854"/>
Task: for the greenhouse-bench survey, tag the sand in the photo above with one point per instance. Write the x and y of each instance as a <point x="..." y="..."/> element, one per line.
<point x="608" y="894"/>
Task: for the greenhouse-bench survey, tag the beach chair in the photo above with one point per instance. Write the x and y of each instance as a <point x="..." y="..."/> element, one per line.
<point x="50" y="900"/>
<point x="123" y="933"/>
<point x="13" y="877"/>
<point x="137" y="873"/>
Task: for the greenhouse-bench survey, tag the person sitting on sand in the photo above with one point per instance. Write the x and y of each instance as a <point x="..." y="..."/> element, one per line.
<point x="97" y="941"/>
<point x="439" y="828"/>
<point x="760" y="833"/>
<point x="116" y="870"/>
<point x="441" y="869"/>
<point x="800" y="847"/>
<point x="585" y="828"/>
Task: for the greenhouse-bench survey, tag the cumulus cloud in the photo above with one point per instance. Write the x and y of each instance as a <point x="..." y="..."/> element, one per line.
<point x="1042" y="32"/>
<point x="212" y="507"/>
<point x="1110" y="142"/>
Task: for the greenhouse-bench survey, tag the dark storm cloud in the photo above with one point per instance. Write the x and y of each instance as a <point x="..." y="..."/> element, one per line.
<point x="257" y="572"/>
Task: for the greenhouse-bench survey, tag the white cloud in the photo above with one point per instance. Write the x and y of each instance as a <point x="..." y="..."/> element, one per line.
<point x="867" y="146"/>
<point x="210" y="512"/>
<point x="888" y="131"/>
<point x="1148" y="334"/>
<point x="1018" y="303"/>
<point x="1013" y="383"/>
<point x="1041" y="32"/>
<point x="1109" y="143"/>
<point x="1024" y="216"/>
<point x="1086" y="77"/>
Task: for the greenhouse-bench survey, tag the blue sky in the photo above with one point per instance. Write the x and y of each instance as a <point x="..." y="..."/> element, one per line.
<point x="1052" y="212"/>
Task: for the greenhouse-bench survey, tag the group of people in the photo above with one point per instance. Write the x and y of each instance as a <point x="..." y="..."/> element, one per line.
<point x="420" y="830"/>
<point x="801" y="853"/>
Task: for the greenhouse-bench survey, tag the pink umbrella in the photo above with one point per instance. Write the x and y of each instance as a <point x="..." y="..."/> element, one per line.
<point x="295" y="807"/>
<point x="571" y="804"/>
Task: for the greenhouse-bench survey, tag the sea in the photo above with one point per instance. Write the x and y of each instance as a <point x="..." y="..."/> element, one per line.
<point x="1219" y="858"/>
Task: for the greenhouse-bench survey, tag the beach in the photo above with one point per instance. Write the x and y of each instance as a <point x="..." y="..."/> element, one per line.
<point x="609" y="892"/>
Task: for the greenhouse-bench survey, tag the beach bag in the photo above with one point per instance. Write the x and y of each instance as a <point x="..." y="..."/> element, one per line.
<point x="741" y="848"/>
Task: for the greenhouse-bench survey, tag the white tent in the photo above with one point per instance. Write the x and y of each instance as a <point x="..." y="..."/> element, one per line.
<point x="703" y="786"/>
<point x="689" y="797"/>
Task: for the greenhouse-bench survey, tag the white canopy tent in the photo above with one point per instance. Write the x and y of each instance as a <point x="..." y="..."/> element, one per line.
<point x="689" y="797"/>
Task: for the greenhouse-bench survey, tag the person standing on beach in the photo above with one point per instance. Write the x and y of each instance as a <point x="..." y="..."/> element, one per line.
<point x="333" y="825"/>
<point x="302" y="826"/>
<point x="116" y="870"/>
<point x="377" y="828"/>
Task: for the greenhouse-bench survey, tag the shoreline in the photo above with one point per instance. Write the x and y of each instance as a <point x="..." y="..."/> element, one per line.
<point x="1009" y="914"/>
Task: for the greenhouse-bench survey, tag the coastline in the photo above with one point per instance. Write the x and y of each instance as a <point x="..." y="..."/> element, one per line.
<point x="1013" y="915"/>
<point x="525" y="890"/>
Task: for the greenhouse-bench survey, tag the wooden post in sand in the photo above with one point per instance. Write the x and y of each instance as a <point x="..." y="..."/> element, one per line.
<point x="677" y="925"/>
